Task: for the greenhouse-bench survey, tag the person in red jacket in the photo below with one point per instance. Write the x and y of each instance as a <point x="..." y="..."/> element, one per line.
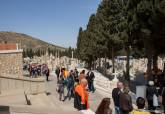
<point x="81" y="96"/>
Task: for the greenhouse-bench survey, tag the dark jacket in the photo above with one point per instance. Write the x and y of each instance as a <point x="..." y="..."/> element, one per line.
<point x="115" y="95"/>
<point x="47" y="72"/>
<point x="126" y="102"/>
<point x="163" y="96"/>
<point x="70" y="81"/>
<point x="57" y="71"/>
<point x="90" y="76"/>
<point x="151" y="90"/>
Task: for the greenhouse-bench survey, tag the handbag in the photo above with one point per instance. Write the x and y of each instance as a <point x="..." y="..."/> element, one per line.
<point x="155" y="100"/>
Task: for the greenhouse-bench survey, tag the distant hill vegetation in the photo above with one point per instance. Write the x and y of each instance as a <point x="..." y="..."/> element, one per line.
<point x="28" y="42"/>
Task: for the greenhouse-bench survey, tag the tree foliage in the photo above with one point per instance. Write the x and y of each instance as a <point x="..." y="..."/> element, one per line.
<point x="121" y="24"/>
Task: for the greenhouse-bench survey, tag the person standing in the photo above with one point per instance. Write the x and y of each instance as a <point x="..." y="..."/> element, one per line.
<point x="81" y="96"/>
<point x="141" y="83"/>
<point x="150" y="92"/>
<point x="57" y="73"/>
<point x="47" y="74"/>
<point x="61" y="88"/>
<point x="125" y="101"/>
<point x="115" y="95"/>
<point x="90" y="78"/>
<point x="76" y="76"/>
<point x="70" y="85"/>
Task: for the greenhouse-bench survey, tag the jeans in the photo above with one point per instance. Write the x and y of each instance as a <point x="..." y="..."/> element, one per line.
<point x="117" y="110"/>
<point x="150" y="105"/>
<point x="62" y="93"/>
<point x="91" y="86"/>
<point x="70" y="91"/>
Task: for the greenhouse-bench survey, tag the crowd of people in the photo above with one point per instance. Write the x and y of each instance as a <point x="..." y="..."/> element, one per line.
<point x="123" y="101"/>
<point x="72" y="82"/>
<point x="36" y="70"/>
<point x="155" y="93"/>
<point x="78" y="85"/>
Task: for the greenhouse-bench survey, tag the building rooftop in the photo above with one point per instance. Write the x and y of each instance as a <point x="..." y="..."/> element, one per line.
<point x="8" y="46"/>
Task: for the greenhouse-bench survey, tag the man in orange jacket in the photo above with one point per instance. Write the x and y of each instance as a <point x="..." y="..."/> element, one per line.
<point x="81" y="96"/>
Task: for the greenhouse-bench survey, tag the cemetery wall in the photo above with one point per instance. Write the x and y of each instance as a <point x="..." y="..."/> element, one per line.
<point x="11" y="62"/>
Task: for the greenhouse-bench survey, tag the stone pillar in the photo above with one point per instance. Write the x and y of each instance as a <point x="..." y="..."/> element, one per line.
<point x="17" y="46"/>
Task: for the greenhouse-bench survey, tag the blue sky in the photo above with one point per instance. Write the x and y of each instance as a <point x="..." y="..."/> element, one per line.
<point x="54" y="21"/>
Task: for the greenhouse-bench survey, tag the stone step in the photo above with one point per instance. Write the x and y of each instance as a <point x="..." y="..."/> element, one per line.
<point x="40" y="100"/>
<point x="39" y="110"/>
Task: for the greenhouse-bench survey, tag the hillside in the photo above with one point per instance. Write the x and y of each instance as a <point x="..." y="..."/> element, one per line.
<point x="27" y="41"/>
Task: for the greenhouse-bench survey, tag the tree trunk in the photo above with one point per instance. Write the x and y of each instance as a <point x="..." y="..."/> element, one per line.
<point x="155" y="64"/>
<point x="105" y="65"/>
<point x="149" y="66"/>
<point x="149" y="52"/>
<point x="99" y="62"/>
<point x="90" y="62"/>
<point x="113" y="60"/>
<point x="127" y="65"/>
<point x="94" y="63"/>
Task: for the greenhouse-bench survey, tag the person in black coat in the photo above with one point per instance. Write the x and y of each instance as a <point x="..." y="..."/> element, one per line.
<point x="115" y="95"/>
<point x="47" y="75"/>
<point x="57" y="73"/>
<point x="150" y="92"/>
<point x="90" y="77"/>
